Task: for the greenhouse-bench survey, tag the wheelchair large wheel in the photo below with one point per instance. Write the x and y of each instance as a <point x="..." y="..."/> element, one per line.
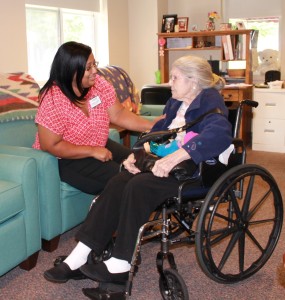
<point x="176" y="287"/>
<point x="239" y="224"/>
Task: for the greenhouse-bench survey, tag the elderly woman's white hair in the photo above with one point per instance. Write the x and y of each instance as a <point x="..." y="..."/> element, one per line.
<point x="199" y="68"/>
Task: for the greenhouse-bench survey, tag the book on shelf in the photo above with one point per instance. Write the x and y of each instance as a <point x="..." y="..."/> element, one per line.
<point x="228" y="47"/>
<point x="254" y="38"/>
<point x="225" y="47"/>
<point x="243" y="48"/>
<point x="240" y="48"/>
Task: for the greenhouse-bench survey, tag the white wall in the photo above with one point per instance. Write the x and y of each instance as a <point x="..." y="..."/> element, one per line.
<point x="143" y="41"/>
<point x="13" y="36"/>
<point x="197" y="11"/>
<point x="252" y="8"/>
<point x="133" y="25"/>
<point x="118" y="23"/>
<point x="93" y="5"/>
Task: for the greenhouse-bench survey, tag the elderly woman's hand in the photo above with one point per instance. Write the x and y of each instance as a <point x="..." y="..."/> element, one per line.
<point x="163" y="166"/>
<point x="129" y="164"/>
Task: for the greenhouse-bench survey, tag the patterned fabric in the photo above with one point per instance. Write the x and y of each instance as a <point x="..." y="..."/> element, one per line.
<point x="62" y="117"/>
<point x="17" y="91"/>
<point x="126" y="91"/>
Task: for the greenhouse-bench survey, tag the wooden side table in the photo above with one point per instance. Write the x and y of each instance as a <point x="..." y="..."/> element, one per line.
<point x="232" y="97"/>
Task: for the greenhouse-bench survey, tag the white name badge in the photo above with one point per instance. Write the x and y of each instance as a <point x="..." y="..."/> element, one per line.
<point x="95" y="101"/>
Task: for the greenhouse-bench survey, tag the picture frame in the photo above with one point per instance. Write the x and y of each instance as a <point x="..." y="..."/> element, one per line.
<point x="240" y="25"/>
<point x="168" y="23"/>
<point x="225" y="26"/>
<point x="182" y="23"/>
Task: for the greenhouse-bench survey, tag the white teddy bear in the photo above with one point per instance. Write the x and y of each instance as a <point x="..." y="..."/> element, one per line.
<point x="269" y="60"/>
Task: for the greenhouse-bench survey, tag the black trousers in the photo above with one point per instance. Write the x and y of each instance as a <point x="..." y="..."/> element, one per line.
<point x="123" y="207"/>
<point x="89" y="174"/>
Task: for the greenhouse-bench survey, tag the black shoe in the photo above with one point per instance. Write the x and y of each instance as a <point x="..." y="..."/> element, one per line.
<point x="62" y="273"/>
<point x="99" y="293"/>
<point x="100" y="273"/>
<point x="59" y="260"/>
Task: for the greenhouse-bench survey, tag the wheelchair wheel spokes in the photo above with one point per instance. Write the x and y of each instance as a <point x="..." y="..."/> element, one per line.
<point x="236" y="235"/>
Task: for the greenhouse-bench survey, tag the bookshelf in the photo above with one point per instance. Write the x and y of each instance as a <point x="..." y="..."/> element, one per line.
<point x="236" y="41"/>
<point x="232" y="45"/>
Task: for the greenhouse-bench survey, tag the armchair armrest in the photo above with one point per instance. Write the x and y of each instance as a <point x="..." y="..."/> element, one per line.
<point x="23" y="170"/>
<point x="48" y="185"/>
<point x="151" y="110"/>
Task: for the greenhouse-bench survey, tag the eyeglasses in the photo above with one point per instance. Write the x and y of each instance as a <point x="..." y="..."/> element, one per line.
<point x="174" y="78"/>
<point x="92" y="65"/>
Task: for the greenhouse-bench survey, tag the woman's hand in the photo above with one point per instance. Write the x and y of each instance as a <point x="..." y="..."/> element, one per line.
<point x="163" y="166"/>
<point x="129" y="164"/>
<point x="102" y="154"/>
<point x="155" y="120"/>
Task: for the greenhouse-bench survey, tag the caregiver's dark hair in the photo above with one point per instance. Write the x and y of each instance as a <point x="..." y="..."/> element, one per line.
<point x="69" y="61"/>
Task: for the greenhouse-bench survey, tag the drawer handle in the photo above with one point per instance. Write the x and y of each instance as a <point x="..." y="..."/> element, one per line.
<point x="229" y="96"/>
<point x="270" y="104"/>
<point x="269" y="130"/>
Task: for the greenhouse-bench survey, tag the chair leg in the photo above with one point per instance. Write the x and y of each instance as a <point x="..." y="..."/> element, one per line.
<point x="30" y="262"/>
<point x="51" y="245"/>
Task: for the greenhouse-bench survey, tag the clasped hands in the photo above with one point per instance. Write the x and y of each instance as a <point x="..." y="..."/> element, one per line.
<point x="161" y="168"/>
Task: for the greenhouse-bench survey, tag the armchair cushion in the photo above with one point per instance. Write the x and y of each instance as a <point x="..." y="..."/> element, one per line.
<point x="11" y="200"/>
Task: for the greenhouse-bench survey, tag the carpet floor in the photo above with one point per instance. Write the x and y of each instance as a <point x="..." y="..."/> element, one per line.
<point x="267" y="283"/>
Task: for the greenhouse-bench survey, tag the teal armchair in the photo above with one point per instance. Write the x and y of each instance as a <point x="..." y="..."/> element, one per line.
<point x="62" y="207"/>
<point x="19" y="213"/>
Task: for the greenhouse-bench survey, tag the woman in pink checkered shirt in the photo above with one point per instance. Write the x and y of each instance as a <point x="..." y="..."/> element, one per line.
<point x="76" y="108"/>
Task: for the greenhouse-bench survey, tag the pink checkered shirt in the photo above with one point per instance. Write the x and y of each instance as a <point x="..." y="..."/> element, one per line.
<point x="58" y="114"/>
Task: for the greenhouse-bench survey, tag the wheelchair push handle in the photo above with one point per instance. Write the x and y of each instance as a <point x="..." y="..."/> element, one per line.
<point x="248" y="102"/>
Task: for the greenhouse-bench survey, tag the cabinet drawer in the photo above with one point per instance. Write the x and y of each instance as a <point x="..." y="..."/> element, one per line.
<point x="230" y="95"/>
<point x="269" y="131"/>
<point x="270" y="105"/>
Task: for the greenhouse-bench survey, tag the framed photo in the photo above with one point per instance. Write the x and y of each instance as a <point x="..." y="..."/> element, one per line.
<point x="225" y="26"/>
<point x="240" y="25"/>
<point x="182" y="24"/>
<point x="194" y="27"/>
<point x="168" y="23"/>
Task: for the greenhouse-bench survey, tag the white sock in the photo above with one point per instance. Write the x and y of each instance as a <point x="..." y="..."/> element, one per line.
<point x="115" y="265"/>
<point x="78" y="256"/>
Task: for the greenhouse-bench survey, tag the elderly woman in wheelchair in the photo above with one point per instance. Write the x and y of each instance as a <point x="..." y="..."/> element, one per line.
<point x="130" y="198"/>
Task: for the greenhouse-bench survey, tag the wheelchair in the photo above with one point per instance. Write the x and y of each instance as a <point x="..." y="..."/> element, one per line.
<point x="233" y="216"/>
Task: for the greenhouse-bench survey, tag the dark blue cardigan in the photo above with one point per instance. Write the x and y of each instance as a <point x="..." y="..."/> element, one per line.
<point x="215" y="131"/>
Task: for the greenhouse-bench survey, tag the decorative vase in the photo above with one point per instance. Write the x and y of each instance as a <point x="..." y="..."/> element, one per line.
<point x="210" y="25"/>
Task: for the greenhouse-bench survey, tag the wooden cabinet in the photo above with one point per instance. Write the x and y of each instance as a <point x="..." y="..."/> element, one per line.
<point x="269" y="120"/>
<point x="201" y="41"/>
<point x="233" y="96"/>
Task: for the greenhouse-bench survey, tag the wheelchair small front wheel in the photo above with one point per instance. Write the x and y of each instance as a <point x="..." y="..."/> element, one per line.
<point x="176" y="288"/>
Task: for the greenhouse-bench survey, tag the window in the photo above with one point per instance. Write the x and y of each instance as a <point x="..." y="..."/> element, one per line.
<point x="48" y="28"/>
<point x="268" y="33"/>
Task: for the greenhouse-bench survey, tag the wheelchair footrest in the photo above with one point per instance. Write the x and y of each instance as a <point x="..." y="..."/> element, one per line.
<point x="106" y="291"/>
